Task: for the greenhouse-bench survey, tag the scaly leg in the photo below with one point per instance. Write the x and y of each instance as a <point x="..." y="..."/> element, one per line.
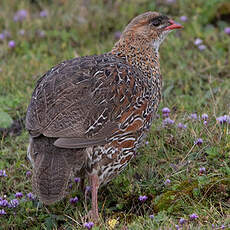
<point x="94" y="189"/>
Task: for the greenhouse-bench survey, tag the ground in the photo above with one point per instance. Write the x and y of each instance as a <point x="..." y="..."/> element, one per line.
<point x="182" y="171"/>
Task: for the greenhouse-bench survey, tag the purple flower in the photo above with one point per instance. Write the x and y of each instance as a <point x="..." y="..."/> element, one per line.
<point x="41" y="33"/>
<point x="193" y="216"/>
<point x="18" y="195"/>
<point x="88" y="225"/>
<point x="4" y="203"/>
<point x="204" y="116"/>
<point x="20" y="15"/>
<point x="168" y="121"/>
<point x="171" y="1"/>
<point x="151" y="216"/>
<point x="205" y="122"/>
<point x="13" y="203"/>
<point x="70" y="185"/>
<point x="117" y="35"/>
<point x="222" y="226"/>
<point x="142" y="198"/>
<point x="77" y="179"/>
<point x="177" y="227"/>
<point x="181" y="126"/>
<point x="166" y="110"/>
<point x="193" y="116"/>
<point x="11" y="44"/>
<point x="43" y="13"/>
<point x="199" y="141"/>
<point x="73" y="200"/>
<point x="2" y="173"/>
<point x="21" y="32"/>
<point x="181" y="221"/>
<point x="202" y="169"/>
<point x="28" y="173"/>
<point x="30" y="196"/>
<point x="147" y="142"/>
<point x="223" y="119"/>
<point x="2" y="36"/>
<point x="183" y="18"/>
<point x="202" y="47"/>
<point x="168" y="181"/>
<point x="87" y="189"/>
<point x="2" y="212"/>
<point x="198" y="41"/>
<point x="227" y="30"/>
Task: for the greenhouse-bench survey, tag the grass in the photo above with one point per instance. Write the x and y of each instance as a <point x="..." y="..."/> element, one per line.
<point x="195" y="81"/>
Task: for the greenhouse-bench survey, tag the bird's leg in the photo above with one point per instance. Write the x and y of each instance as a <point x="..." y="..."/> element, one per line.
<point x="94" y="189"/>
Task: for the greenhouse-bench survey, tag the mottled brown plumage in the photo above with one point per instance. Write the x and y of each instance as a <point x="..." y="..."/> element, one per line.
<point x="92" y="113"/>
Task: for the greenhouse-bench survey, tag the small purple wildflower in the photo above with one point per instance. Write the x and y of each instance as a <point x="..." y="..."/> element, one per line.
<point x="181" y="221"/>
<point x="223" y="119"/>
<point x="77" y="179"/>
<point x="198" y="41"/>
<point x="199" y="141"/>
<point x="202" y="169"/>
<point x="88" y="225"/>
<point x="202" y="47"/>
<point x="147" y="142"/>
<point x="227" y="30"/>
<point x="117" y="35"/>
<point x="166" y="110"/>
<point x="142" y="198"/>
<point x="193" y="216"/>
<point x="222" y="226"/>
<point x="13" y="203"/>
<point x="73" y="200"/>
<point x="205" y="122"/>
<point x="43" y="13"/>
<point x="28" y="173"/>
<point x="168" y="181"/>
<point x="2" y="173"/>
<point x="2" y="212"/>
<point x="87" y="189"/>
<point x="20" y="15"/>
<point x="170" y="1"/>
<point x="41" y="33"/>
<point x="204" y="116"/>
<point x="30" y="196"/>
<point x="193" y="116"/>
<point x="151" y="216"/>
<point x="11" y="44"/>
<point x="2" y="36"/>
<point x="181" y="126"/>
<point x="168" y="121"/>
<point x="177" y="227"/>
<point x="213" y="225"/>
<point x="184" y="18"/>
<point x="4" y="203"/>
<point x="18" y="195"/>
<point x="21" y="32"/>
<point x="70" y="185"/>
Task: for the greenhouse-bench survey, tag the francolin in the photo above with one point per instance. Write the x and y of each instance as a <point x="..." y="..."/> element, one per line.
<point x="90" y="114"/>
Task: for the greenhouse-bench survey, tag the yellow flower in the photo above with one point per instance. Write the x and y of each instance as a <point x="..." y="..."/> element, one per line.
<point x="112" y="223"/>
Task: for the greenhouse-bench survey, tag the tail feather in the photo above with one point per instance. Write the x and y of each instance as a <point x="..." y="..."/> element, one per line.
<point x="52" y="168"/>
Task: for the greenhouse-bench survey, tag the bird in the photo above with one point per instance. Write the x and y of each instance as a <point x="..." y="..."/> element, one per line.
<point x="90" y="114"/>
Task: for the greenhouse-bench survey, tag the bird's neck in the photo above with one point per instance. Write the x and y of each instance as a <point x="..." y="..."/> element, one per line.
<point x="140" y="54"/>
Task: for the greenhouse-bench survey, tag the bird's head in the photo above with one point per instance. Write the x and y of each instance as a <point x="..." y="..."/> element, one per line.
<point x="150" y="28"/>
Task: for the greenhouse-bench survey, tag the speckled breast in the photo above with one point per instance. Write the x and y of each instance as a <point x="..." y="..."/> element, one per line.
<point x="135" y="120"/>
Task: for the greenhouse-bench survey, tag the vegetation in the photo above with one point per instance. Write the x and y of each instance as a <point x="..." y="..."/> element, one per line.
<point x="184" y="167"/>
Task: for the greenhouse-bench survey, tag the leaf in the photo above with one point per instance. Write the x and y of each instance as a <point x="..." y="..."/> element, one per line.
<point x="5" y="120"/>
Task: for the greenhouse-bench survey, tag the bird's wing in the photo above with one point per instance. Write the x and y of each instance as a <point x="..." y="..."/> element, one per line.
<point x="81" y="100"/>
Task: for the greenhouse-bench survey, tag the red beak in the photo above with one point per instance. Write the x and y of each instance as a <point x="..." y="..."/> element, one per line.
<point x="173" y="25"/>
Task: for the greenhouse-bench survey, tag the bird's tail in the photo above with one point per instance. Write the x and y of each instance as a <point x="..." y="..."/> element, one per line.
<point x="52" y="168"/>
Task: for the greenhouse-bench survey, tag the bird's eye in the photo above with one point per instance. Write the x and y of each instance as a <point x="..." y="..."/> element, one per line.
<point x="156" y="22"/>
